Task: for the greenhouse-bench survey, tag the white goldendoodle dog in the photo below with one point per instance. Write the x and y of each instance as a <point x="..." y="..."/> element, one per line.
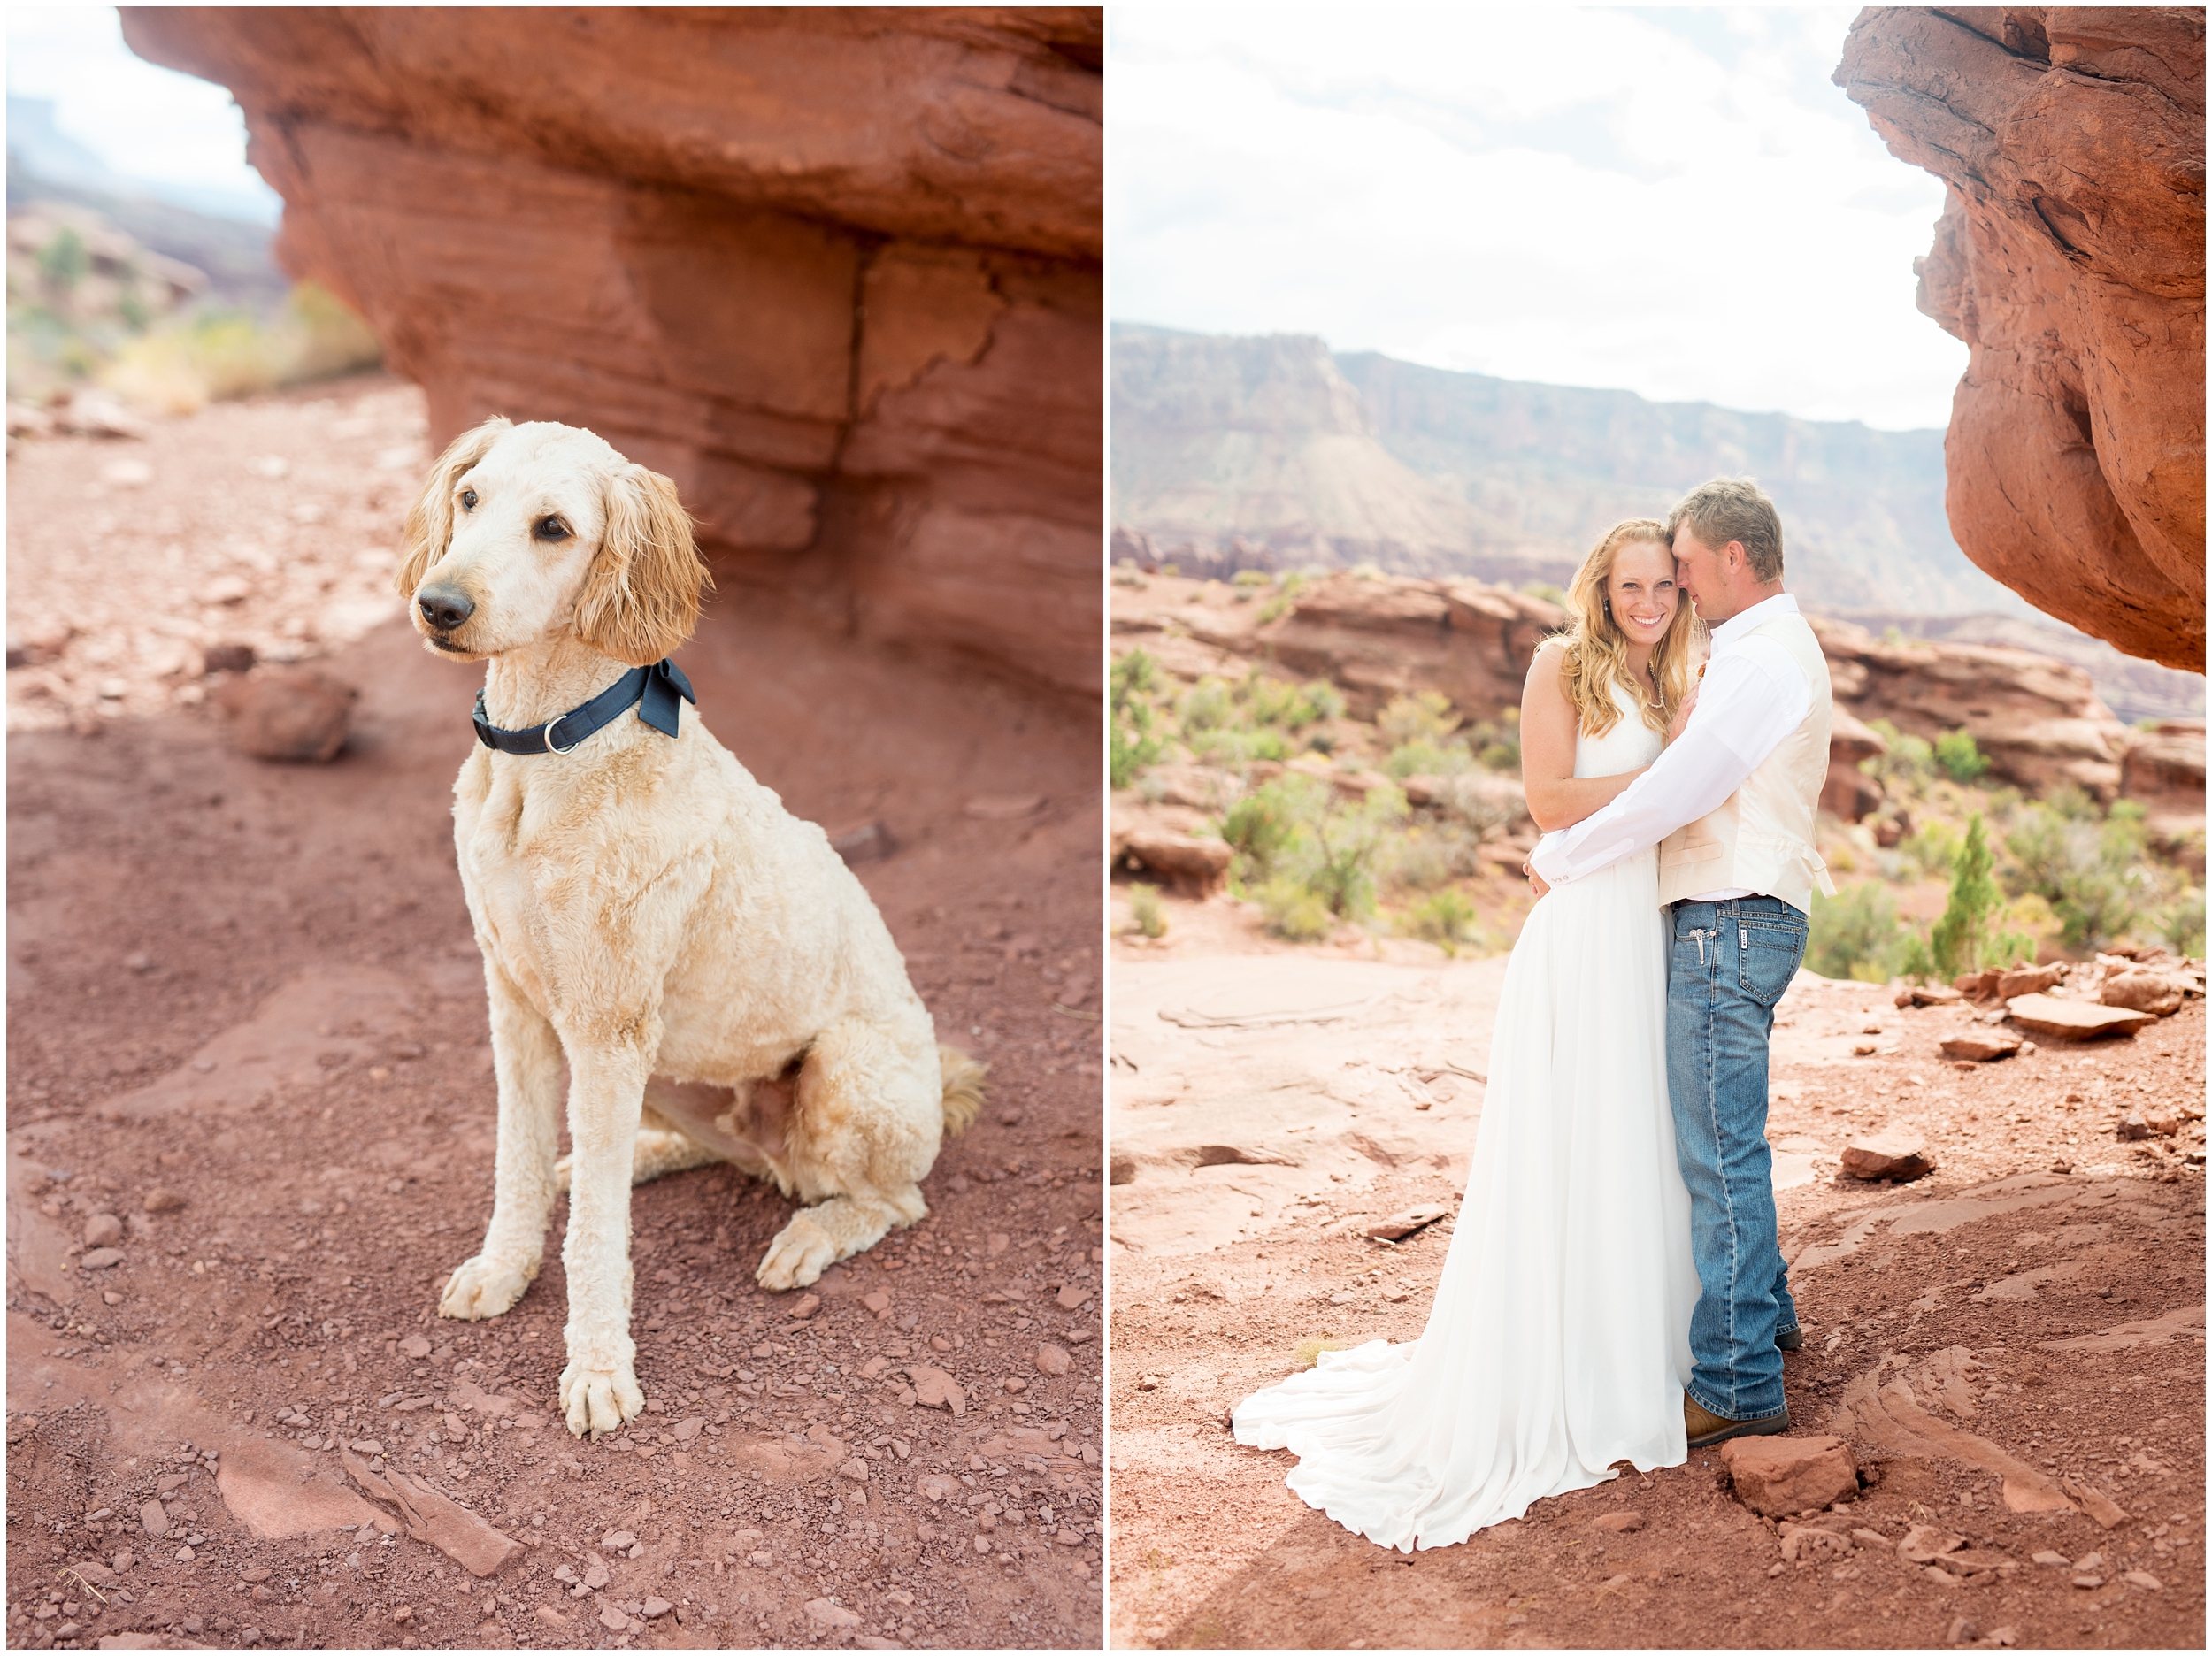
<point x="717" y="984"/>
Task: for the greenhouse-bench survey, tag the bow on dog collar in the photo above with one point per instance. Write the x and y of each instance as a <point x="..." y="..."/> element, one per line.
<point x="652" y="690"/>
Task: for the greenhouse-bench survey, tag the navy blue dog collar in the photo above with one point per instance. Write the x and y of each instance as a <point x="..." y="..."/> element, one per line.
<point x="651" y="690"/>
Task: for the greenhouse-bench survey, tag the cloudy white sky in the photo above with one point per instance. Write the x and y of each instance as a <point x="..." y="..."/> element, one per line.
<point x="1671" y="201"/>
<point x="147" y="123"/>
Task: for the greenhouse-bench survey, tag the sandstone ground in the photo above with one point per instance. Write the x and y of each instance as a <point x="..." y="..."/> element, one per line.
<point x="249" y="992"/>
<point x="1270" y="1105"/>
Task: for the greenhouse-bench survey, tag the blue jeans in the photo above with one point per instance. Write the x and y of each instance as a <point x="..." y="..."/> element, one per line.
<point x="1727" y="964"/>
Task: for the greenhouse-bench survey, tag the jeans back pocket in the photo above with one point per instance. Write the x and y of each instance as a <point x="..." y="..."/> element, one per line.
<point x="1768" y="954"/>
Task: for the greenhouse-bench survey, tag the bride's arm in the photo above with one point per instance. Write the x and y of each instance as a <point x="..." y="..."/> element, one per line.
<point x="1558" y="798"/>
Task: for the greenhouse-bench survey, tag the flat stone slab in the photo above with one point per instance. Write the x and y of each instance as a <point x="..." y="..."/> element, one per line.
<point x="2073" y="1020"/>
<point x="1982" y="1045"/>
<point x="1401" y="1225"/>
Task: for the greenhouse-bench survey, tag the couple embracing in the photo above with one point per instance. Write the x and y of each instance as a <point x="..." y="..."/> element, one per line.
<point x="1616" y="1288"/>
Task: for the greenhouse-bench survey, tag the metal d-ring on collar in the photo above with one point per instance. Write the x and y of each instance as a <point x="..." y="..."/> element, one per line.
<point x="652" y="690"/>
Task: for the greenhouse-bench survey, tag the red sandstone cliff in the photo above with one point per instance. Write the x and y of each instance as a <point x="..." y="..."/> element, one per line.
<point x="2070" y="259"/>
<point x="836" y="271"/>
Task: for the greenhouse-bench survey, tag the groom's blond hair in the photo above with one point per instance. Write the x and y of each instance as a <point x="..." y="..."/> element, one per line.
<point x="1732" y="509"/>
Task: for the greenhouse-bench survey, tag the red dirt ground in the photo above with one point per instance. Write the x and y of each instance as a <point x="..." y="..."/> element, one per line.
<point x="254" y="987"/>
<point x="1975" y="1270"/>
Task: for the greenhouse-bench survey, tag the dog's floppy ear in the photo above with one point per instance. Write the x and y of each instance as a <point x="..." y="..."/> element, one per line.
<point x="641" y="598"/>
<point x="430" y="519"/>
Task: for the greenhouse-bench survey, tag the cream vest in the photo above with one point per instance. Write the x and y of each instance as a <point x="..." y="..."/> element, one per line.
<point x="1762" y="840"/>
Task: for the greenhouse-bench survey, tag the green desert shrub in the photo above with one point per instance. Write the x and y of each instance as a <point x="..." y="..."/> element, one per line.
<point x="2097" y="876"/>
<point x="1293" y="911"/>
<point x="1855" y="933"/>
<point x="1969" y="937"/>
<point x="1446" y="918"/>
<point x="1427" y="716"/>
<point x="1145" y="911"/>
<point x="1962" y="761"/>
<point x="2184" y="930"/>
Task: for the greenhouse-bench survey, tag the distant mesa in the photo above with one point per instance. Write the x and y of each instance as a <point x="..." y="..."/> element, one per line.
<point x="2071" y="259"/>
<point x="1313" y="458"/>
<point x="1272" y="453"/>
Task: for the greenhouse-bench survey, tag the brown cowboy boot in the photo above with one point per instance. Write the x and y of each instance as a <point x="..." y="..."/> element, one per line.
<point x="1706" y="1428"/>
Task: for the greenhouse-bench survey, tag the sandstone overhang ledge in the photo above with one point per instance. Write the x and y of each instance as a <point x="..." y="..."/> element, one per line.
<point x="836" y="272"/>
<point x="2069" y="258"/>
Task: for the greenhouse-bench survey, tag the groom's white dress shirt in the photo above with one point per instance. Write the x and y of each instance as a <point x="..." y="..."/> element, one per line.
<point x="1753" y="696"/>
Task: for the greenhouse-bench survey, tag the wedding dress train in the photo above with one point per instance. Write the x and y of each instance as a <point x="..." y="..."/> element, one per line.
<point x="1559" y="1340"/>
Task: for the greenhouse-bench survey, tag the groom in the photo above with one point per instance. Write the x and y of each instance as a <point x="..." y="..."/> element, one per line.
<point x="1730" y="805"/>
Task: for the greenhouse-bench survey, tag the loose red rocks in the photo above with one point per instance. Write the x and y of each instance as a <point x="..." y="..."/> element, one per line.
<point x="1624" y="1522"/>
<point x="1401" y="1225"/>
<point x="2029" y="980"/>
<point x="1195" y="867"/>
<point x="2142" y="991"/>
<point x="1775" y="1475"/>
<point x="161" y="1200"/>
<point x="1052" y="1360"/>
<point x="1982" y="1045"/>
<point x="290" y="714"/>
<point x="1887" y="1155"/>
<point x="103" y="1230"/>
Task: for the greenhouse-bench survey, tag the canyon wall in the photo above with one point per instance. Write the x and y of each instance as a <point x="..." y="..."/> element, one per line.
<point x="1274" y="453"/>
<point x="835" y="271"/>
<point x="2071" y="259"/>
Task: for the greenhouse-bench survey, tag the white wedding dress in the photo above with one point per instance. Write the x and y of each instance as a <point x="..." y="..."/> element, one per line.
<point x="1559" y="1340"/>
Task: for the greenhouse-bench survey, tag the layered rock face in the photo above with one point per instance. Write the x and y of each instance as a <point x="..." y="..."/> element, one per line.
<point x="2038" y="721"/>
<point x="836" y="272"/>
<point x="2070" y="259"/>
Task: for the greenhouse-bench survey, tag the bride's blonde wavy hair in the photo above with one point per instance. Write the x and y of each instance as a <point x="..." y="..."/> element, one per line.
<point x="1597" y="649"/>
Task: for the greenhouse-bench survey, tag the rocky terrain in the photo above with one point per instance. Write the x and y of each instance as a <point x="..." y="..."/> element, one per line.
<point x="250" y="1128"/>
<point x="2009" y="1346"/>
<point x="2036" y="718"/>
<point x="836" y="272"/>
<point x="2071" y="259"/>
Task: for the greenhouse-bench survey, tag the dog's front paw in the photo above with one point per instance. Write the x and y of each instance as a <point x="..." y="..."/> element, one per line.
<point x="597" y="1401"/>
<point x="801" y="1251"/>
<point x="482" y="1288"/>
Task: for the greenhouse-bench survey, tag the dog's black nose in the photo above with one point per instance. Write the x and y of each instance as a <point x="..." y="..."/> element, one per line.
<point x="445" y="608"/>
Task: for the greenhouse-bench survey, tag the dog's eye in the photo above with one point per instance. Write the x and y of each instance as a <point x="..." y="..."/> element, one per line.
<point x="552" y="529"/>
<point x="468" y="500"/>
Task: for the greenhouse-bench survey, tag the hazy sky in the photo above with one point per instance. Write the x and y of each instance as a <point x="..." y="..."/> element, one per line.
<point x="1675" y="202"/>
<point x="148" y="122"/>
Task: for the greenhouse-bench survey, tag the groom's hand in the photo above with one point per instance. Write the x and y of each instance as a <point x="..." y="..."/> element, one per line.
<point x="1535" y="879"/>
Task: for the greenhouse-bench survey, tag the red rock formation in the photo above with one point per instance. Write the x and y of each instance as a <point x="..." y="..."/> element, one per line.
<point x="2164" y="769"/>
<point x="2070" y="259"/>
<point x="2038" y="721"/>
<point x="1383" y="637"/>
<point x="836" y="271"/>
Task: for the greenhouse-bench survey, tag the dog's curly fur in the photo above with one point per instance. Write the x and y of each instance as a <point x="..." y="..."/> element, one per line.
<point x="717" y="983"/>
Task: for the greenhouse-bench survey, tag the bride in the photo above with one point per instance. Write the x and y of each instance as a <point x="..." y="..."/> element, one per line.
<point x="1559" y="1340"/>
